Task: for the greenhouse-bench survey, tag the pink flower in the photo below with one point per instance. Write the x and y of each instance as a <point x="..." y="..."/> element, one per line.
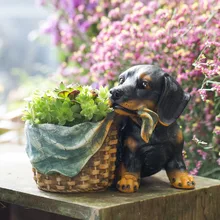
<point x="202" y="153"/>
<point x="197" y="168"/>
<point x="216" y="87"/>
<point x="217" y="130"/>
<point x="203" y="94"/>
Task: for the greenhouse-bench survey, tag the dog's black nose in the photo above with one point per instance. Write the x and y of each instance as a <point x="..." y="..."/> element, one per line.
<point x="116" y="93"/>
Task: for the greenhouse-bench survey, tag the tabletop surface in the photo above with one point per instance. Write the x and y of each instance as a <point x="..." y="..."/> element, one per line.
<point x="17" y="186"/>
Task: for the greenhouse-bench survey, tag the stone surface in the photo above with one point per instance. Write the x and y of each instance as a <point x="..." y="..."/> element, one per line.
<point x="155" y="200"/>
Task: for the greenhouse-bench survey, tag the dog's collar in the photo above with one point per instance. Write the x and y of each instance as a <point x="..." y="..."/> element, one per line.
<point x="149" y="119"/>
<point x="149" y="122"/>
<point x="124" y="111"/>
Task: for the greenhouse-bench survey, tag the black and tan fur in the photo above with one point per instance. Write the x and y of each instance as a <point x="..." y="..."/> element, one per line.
<point x="147" y="86"/>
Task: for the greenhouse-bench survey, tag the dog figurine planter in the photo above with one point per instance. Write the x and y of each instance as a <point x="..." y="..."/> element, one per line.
<point x="149" y="102"/>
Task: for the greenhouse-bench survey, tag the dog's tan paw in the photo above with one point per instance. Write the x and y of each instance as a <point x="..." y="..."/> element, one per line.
<point x="128" y="183"/>
<point x="181" y="180"/>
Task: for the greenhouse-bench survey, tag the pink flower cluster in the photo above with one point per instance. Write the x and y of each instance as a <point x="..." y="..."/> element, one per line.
<point x="71" y="20"/>
<point x="170" y="34"/>
<point x="208" y="63"/>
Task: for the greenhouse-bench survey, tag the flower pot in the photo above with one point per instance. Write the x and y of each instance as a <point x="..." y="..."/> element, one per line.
<point x="96" y="171"/>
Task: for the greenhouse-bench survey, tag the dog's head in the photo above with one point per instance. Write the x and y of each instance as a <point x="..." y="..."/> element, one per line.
<point x="147" y="86"/>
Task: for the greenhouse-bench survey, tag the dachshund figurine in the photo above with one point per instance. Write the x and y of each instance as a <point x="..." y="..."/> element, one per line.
<point x="150" y="88"/>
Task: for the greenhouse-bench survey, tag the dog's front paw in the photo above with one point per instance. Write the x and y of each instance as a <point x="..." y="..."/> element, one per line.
<point x="128" y="183"/>
<point x="181" y="180"/>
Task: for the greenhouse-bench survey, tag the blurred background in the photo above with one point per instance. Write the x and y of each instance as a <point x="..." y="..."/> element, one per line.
<point x="45" y="42"/>
<point x="25" y="62"/>
<point x="20" y="55"/>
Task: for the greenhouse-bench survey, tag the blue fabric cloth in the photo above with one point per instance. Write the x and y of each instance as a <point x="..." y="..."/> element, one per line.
<point x="53" y="148"/>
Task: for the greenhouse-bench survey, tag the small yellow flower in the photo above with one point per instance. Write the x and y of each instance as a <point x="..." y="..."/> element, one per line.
<point x="128" y="55"/>
<point x="98" y="8"/>
<point x="171" y="23"/>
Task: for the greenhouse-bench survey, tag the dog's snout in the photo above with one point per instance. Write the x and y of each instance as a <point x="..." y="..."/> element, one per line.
<point x="116" y="93"/>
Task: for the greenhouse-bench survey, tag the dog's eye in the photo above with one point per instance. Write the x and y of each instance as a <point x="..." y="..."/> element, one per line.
<point x="145" y="84"/>
<point x="121" y="80"/>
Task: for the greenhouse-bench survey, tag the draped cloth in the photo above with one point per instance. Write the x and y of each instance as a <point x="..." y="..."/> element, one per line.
<point x="54" y="148"/>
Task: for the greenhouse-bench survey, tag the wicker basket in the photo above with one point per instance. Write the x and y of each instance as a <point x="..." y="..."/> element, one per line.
<point x="96" y="175"/>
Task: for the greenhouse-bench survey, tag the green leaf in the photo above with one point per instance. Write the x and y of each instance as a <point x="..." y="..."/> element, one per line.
<point x="63" y="94"/>
<point x="76" y="108"/>
<point x="62" y="86"/>
<point x="67" y="105"/>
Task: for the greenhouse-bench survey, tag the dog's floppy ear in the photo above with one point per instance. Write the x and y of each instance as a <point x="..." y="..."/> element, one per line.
<point x="172" y="101"/>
